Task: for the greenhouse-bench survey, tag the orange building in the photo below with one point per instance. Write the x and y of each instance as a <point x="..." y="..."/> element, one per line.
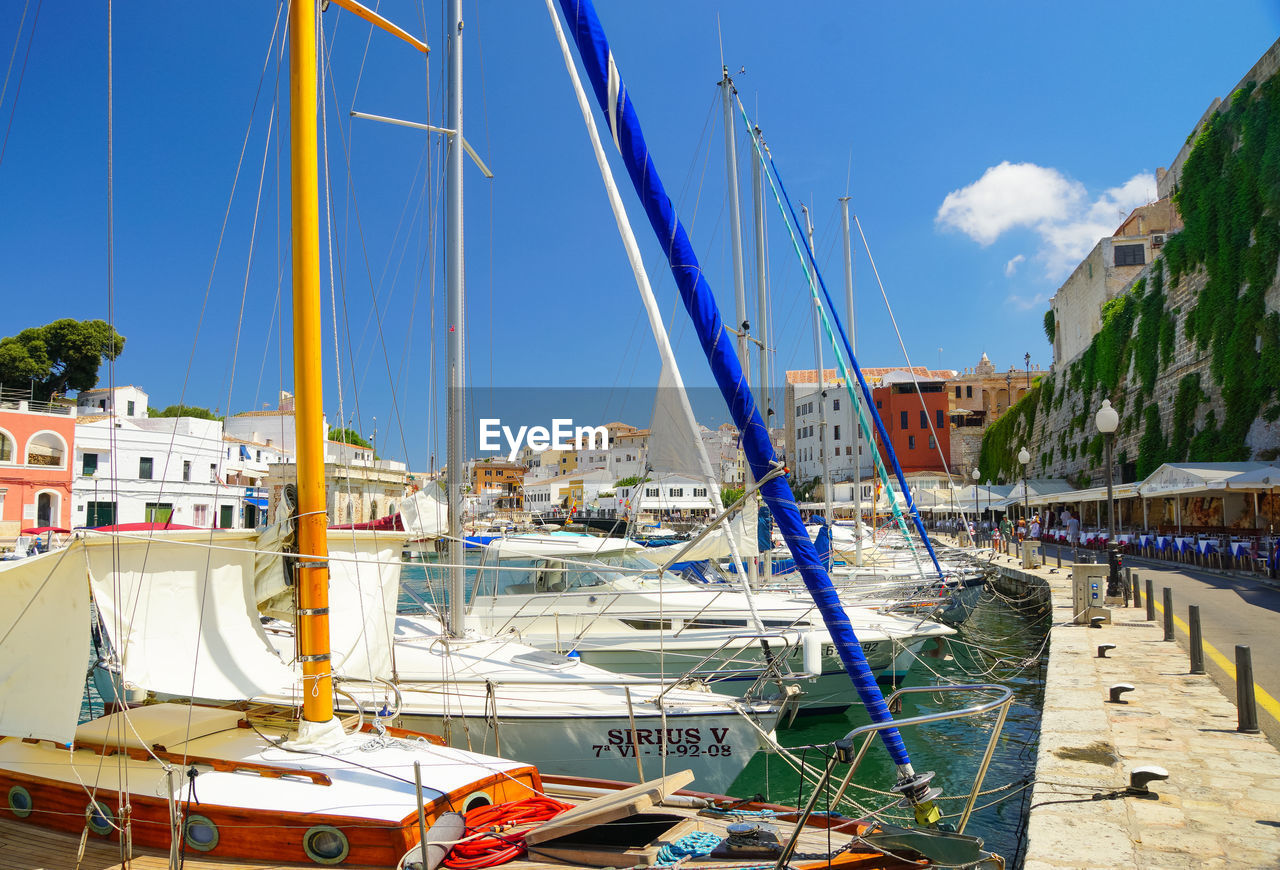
<point x="37" y="443"/>
<point x="921" y="437"/>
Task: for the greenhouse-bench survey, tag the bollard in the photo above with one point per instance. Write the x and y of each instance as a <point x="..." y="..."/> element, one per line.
<point x="1151" y="601"/>
<point x="1058" y="550"/>
<point x="1245" y="703"/>
<point x="1125" y="585"/>
<point x="1197" y="639"/>
<point x="1137" y="590"/>
<point x="1168" y="614"/>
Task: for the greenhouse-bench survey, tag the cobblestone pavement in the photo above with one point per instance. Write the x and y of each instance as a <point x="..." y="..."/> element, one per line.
<point x="1220" y="806"/>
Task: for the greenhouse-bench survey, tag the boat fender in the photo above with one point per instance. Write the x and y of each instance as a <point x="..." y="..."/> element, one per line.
<point x="443" y="833"/>
<point x="811" y="644"/>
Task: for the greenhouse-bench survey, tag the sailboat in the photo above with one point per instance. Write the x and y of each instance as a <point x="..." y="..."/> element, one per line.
<point x="222" y="781"/>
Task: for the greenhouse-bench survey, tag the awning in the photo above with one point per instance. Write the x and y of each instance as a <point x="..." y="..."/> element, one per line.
<point x="260" y="503"/>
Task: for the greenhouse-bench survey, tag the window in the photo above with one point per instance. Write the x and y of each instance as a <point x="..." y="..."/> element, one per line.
<point x="939" y="413"/>
<point x="957" y="392"/>
<point x="924" y="419"/>
<point x="1130" y="255"/>
<point x="968" y="392"/>
<point x="6" y="448"/>
<point x="46" y="450"/>
<point x="836" y="429"/>
<point x="130" y="413"/>
<point x="89" y="465"/>
<point x="932" y="443"/>
<point x="158" y="512"/>
<point x="651" y="492"/>
<point x="676" y="491"/>
<point x="835" y="404"/>
<point x="213" y="472"/>
<point x="145" y="468"/>
<point x="100" y="513"/>
<point x="911" y="442"/>
<point x="200" y="515"/>
<point x="799" y="410"/>
<point x="877" y="403"/>
<point x="186" y="470"/>
<point x="903" y="415"/>
<point x="699" y="492"/>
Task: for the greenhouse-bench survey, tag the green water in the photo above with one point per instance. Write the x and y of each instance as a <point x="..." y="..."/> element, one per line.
<point x="1001" y="643"/>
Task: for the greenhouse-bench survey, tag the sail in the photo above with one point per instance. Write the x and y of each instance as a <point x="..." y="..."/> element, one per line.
<point x="44" y="644"/>
<point x="180" y="608"/>
<point x="624" y="126"/>
<point x="364" y="583"/>
<point x="424" y="515"/>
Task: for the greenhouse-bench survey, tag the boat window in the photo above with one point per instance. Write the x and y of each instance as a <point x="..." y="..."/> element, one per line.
<point x="325" y="844"/>
<point x="516" y="577"/>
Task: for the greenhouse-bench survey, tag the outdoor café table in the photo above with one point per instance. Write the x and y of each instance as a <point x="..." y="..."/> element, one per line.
<point x="1207" y="547"/>
<point x="1124" y="539"/>
<point x="1240" y="550"/>
<point x="1163" y="543"/>
<point x="1144" y="541"/>
<point x="1183" y="546"/>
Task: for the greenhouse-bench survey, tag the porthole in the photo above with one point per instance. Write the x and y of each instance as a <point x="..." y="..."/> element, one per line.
<point x="200" y="833"/>
<point x="100" y="818"/>
<point x="325" y="844"/>
<point x="475" y="799"/>
<point x="20" y="803"/>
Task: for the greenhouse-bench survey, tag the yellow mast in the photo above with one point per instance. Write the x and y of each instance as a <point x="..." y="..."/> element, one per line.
<point x="313" y="569"/>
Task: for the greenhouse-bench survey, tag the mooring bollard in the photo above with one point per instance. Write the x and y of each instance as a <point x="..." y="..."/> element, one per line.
<point x="1168" y="614"/>
<point x="1151" y="601"/>
<point x="1245" y="703"/>
<point x="1197" y="639"/>
<point x="1137" y="589"/>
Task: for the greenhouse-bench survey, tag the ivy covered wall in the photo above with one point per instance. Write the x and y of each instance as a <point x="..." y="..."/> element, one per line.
<point x="1189" y="353"/>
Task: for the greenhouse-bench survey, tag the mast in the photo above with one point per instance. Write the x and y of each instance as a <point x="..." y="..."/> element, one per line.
<point x="822" y="391"/>
<point x="762" y="315"/>
<point x="735" y="233"/>
<point x="853" y="345"/>
<point x="455" y="285"/>
<point x="313" y="569"/>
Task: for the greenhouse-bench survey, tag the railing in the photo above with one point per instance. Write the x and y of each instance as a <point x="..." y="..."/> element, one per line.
<point x="841" y="747"/>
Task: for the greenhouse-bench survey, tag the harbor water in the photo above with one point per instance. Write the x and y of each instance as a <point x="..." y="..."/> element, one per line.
<point x="1003" y="642"/>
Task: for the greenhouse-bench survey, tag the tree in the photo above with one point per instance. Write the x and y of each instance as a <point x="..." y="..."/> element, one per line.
<point x="348" y="436"/>
<point x="729" y="495"/>
<point x="60" y="356"/>
<point x="184" y="411"/>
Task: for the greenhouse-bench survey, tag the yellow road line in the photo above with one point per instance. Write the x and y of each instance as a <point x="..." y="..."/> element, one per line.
<point x="1265" y="701"/>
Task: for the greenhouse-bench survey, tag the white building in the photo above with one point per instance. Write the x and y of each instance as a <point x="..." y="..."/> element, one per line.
<point x="666" y="493"/>
<point x="122" y="401"/>
<point x="576" y="490"/>
<point x="165" y="469"/>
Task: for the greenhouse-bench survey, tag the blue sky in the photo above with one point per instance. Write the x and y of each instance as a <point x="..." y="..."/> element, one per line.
<point x="984" y="146"/>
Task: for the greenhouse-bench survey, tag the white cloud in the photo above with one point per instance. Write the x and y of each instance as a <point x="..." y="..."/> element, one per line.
<point x="1026" y="303"/>
<point x="1058" y="209"/>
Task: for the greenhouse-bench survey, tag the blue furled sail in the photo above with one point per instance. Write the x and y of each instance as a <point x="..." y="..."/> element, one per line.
<point x="718" y="345"/>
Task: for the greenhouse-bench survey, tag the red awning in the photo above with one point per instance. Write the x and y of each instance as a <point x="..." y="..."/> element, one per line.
<point x="40" y="530"/>
<point x="143" y="527"/>
<point x="389" y="523"/>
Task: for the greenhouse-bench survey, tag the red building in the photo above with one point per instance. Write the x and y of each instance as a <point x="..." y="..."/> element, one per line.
<point x="37" y="443"/>
<point x="920" y="435"/>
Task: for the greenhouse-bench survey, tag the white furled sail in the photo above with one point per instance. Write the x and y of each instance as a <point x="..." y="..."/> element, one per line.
<point x="180" y="608"/>
<point x="364" y="583"/>
<point x="424" y="516"/>
<point x="44" y="644"/>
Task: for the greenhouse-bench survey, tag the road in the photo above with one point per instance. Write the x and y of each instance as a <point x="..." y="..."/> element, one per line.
<point x="1233" y="610"/>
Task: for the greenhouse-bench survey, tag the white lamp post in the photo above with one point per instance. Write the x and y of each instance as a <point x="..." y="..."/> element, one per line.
<point x="977" y="516"/>
<point x="1024" y="458"/>
<point x="1107" y="421"/>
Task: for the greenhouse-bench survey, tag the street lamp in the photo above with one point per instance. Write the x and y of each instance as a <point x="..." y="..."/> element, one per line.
<point x="1027" y="358"/>
<point x="1024" y="458"/>
<point x="977" y="516"/>
<point x="1107" y="421"/>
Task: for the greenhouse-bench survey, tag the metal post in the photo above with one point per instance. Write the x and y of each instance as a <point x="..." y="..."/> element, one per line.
<point x="1168" y="614"/>
<point x="1245" y="702"/>
<point x="455" y="284"/>
<point x="762" y="316"/>
<point x="1197" y="639"/>
<point x="1137" y="590"/>
<point x="853" y="346"/>
<point x="1151" y="601"/>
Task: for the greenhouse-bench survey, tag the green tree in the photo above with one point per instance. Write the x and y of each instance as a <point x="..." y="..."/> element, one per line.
<point x="348" y="436"/>
<point x="729" y="495"/>
<point x="184" y="411"/>
<point x="60" y="356"/>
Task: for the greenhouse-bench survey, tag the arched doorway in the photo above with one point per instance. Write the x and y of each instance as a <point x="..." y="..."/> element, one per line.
<point x="47" y="509"/>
